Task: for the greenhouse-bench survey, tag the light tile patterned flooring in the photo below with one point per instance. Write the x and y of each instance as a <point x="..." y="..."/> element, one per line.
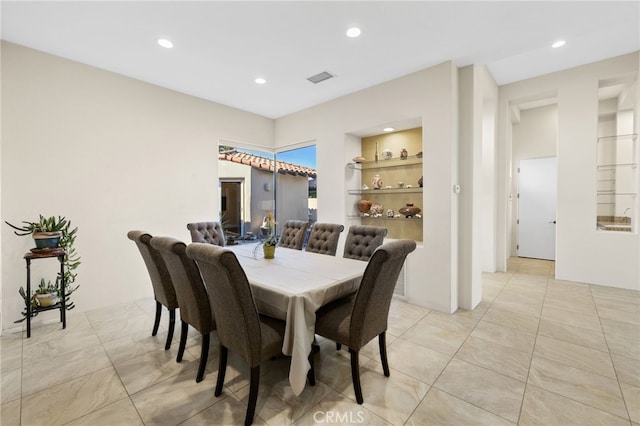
<point x="535" y="351"/>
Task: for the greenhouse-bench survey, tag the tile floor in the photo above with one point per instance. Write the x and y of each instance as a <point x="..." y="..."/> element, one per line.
<point x="535" y="351"/>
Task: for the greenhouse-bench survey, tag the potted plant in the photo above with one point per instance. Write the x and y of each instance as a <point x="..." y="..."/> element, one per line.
<point x="269" y="244"/>
<point x="46" y="294"/>
<point x="50" y="233"/>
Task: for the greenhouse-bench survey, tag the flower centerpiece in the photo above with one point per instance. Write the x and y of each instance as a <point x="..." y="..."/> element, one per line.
<point x="269" y="244"/>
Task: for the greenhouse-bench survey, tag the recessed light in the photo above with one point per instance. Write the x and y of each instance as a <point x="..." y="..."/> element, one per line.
<point x="558" y="43"/>
<point x="260" y="80"/>
<point x="388" y="129"/>
<point x="353" y="32"/>
<point x="167" y="44"/>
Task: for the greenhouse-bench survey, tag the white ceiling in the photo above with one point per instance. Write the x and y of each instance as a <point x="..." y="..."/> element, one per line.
<point x="221" y="47"/>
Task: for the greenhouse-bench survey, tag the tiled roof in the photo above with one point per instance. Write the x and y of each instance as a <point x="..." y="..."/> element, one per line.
<point x="267" y="164"/>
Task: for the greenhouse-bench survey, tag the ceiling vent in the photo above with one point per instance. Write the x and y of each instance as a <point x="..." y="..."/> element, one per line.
<point x="324" y="75"/>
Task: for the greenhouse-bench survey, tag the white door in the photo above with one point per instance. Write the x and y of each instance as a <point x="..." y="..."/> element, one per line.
<point x="537" y="192"/>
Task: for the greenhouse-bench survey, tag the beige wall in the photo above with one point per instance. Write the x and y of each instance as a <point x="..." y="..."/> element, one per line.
<point x="111" y="154"/>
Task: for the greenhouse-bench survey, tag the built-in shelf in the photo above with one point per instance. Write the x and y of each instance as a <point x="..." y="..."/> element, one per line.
<point x="383" y="217"/>
<point x="615" y="138"/>
<point x="385" y="191"/>
<point x="616" y="165"/>
<point x="393" y="162"/>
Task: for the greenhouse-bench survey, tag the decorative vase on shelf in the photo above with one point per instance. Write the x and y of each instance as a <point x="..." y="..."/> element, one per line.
<point x="363" y="206"/>
<point x="386" y="154"/>
<point x="404" y="154"/>
<point x="269" y="251"/>
<point x="409" y="210"/>
<point x="420" y="182"/>
<point x="376" y="182"/>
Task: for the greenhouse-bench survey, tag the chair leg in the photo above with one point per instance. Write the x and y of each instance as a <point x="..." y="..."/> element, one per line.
<point x="311" y="375"/>
<point x="254" y="382"/>
<point x="382" y="341"/>
<point x="156" y="323"/>
<point x="184" y="330"/>
<point x="338" y="346"/>
<point x="222" y="369"/>
<point x="204" y="355"/>
<point x="172" y="325"/>
<point x="355" y="375"/>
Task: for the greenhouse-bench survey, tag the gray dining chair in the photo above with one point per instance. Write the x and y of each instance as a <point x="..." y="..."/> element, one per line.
<point x="362" y="241"/>
<point x="256" y="338"/>
<point x="163" y="291"/>
<point x="195" y="309"/>
<point x="354" y="321"/>
<point x="324" y="238"/>
<point x="207" y="232"/>
<point x="293" y="234"/>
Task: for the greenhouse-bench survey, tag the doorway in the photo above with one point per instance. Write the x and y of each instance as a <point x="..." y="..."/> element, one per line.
<point x="537" y="200"/>
<point x="231" y="207"/>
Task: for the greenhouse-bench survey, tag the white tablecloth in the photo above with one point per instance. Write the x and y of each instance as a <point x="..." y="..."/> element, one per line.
<point x="292" y="287"/>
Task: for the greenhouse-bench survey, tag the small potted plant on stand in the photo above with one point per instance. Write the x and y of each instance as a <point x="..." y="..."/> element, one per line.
<point x="49" y="233"/>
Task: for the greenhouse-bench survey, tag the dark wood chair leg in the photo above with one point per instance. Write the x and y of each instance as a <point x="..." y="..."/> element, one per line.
<point x="184" y="330"/>
<point x="311" y="375"/>
<point x="382" y="341"/>
<point x="222" y="369"/>
<point x="254" y="382"/>
<point x="172" y="325"/>
<point x="204" y="355"/>
<point x="355" y="375"/>
<point x="156" y="323"/>
<point x="338" y="346"/>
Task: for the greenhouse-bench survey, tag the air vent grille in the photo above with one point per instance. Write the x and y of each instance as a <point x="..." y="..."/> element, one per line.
<point x="324" y="75"/>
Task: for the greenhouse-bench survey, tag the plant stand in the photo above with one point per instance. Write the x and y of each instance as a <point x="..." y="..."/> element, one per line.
<point x="45" y="254"/>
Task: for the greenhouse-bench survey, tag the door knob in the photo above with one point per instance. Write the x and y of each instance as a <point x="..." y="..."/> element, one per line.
<point x="553" y="222"/>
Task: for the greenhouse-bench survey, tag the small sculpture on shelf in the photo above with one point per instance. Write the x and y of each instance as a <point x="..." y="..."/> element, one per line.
<point x="409" y="210"/>
<point x="363" y="206"/>
<point x="390" y="213"/>
<point x="376" y="210"/>
<point x="420" y="182"/>
<point x="403" y="154"/>
<point x="376" y="182"/>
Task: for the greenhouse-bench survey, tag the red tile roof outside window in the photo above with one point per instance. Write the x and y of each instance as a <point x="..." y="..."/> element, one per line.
<point x="263" y="163"/>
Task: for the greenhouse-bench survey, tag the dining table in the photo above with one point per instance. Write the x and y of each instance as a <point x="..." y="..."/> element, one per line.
<point x="293" y="286"/>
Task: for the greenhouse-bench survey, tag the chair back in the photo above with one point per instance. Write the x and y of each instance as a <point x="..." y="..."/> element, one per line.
<point x="362" y="241"/>
<point x="191" y="293"/>
<point x="237" y="320"/>
<point x="163" y="289"/>
<point x="372" y="301"/>
<point x="207" y="232"/>
<point x="324" y="238"/>
<point x="293" y="234"/>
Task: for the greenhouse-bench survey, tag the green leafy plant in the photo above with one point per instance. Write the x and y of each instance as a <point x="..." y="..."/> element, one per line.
<point x="71" y="258"/>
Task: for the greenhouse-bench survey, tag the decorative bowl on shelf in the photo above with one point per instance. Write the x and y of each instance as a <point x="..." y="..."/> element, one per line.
<point x="409" y="210"/>
<point x="359" y="159"/>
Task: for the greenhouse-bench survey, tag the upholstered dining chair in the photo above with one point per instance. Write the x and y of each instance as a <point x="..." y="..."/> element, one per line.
<point x="240" y="328"/>
<point x="362" y="241"/>
<point x="293" y="234"/>
<point x="195" y="309"/>
<point x="163" y="290"/>
<point x="207" y="232"/>
<point x="324" y="238"/>
<point x="353" y="321"/>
